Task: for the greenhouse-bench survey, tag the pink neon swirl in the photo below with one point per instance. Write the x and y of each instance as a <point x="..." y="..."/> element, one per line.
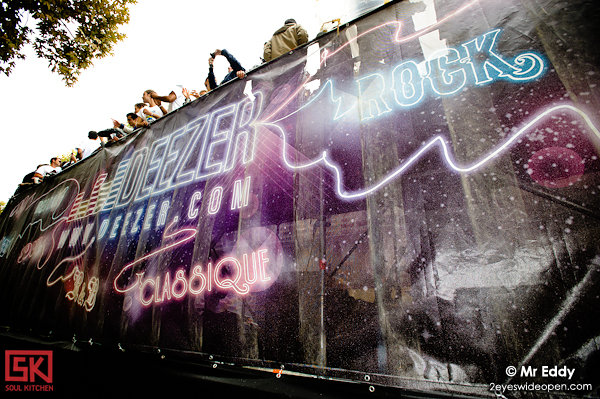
<point x="398" y="38"/>
<point x="192" y="233"/>
<point x="50" y="282"/>
<point x="55" y="218"/>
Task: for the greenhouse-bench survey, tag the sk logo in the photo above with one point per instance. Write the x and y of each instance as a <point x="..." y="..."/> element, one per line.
<point x="28" y="366"/>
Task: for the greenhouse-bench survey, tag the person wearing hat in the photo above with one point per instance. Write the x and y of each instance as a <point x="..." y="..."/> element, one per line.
<point x="286" y="38"/>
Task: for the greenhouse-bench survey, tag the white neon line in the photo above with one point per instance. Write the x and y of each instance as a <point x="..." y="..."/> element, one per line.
<point x="437" y="141"/>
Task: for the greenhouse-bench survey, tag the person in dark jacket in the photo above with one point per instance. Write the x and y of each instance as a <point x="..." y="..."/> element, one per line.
<point x="235" y="69"/>
<point x="286" y="38"/>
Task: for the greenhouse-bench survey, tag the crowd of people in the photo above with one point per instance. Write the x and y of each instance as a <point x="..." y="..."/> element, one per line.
<point x="152" y="107"/>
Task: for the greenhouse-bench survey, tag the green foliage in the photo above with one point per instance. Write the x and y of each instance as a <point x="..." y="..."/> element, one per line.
<point x="65" y="158"/>
<point x="70" y="34"/>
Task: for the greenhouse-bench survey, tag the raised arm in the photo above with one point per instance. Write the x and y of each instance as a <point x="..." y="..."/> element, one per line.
<point x="211" y="81"/>
<point x="233" y="62"/>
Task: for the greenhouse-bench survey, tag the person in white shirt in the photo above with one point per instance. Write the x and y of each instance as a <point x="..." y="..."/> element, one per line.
<point x="89" y="146"/>
<point x="154" y="110"/>
<point x="134" y="121"/>
<point x="46" y="170"/>
<point x="147" y="113"/>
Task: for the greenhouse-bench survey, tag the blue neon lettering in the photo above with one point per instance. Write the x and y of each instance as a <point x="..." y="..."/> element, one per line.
<point x="221" y="130"/>
<point x="197" y="146"/>
<point x="135" y="227"/>
<point x="243" y="140"/>
<point x="168" y="166"/>
<point x="116" y="184"/>
<point x="125" y="223"/>
<point x="486" y="65"/>
<point x="115" y="228"/>
<point x="209" y="145"/>
<point x="162" y="215"/>
<point x="132" y="178"/>
<point x="149" y="216"/>
<point x="103" y="228"/>
<point x="407" y="84"/>
<point x="150" y="175"/>
<point x="371" y="101"/>
<point x="445" y="74"/>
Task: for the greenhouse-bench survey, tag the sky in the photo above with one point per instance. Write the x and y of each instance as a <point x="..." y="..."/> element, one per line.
<point x="166" y="46"/>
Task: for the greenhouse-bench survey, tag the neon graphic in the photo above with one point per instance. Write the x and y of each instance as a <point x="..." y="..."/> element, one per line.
<point x="24" y="204"/>
<point x="446" y="75"/>
<point x="153" y="165"/>
<point x="398" y="38"/>
<point x="185" y="234"/>
<point x="115" y="185"/>
<point x="149" y="217"/>
<point x="93" y="287"/>
<point x="41" y="249"/>
<point x="152" y="215"/>
<point x="215" y="199"/>
<point x="229" y="274"/>
<point x="447" y="72"/>
<point x="217" y="145"/>
<point x="436" y="142"/>
<point x="193" y="208"/>
<point x="55" y="276"/>
<point x="77" y="283"/>
<point x="57" y="215"/>
<point x="214" y="143"/>
<point x="407" y="90"/>
<point x="209" y="145"/>
<point x="162" y="215"/>
<point x="528" y="66"/>
<point x="115" y="228"/>
<point x="132" y="178"/>
<point x="135" y="226"/>
<point x="240" y="195"/>
<point x="372" y="98"/>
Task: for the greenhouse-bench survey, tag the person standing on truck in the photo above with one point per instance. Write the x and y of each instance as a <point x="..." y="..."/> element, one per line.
<point x="286" y="38"/>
